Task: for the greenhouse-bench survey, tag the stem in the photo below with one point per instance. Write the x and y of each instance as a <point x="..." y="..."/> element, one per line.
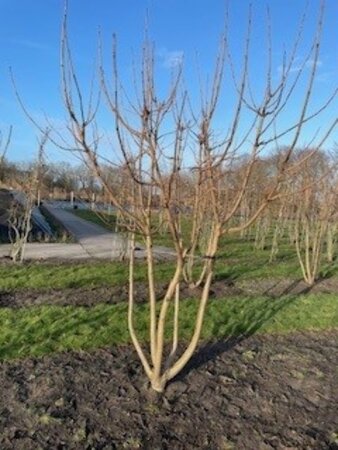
<point x="131" y="309"/>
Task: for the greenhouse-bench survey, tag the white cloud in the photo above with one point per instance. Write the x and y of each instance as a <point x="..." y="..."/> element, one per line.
<point x="171" y="58"/>
<point x="311" y="62"/>
<point x="298" y="64"/>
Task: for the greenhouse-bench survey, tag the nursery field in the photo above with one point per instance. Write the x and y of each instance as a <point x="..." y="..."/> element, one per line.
<point x="265" y="374"/>
<point x="169" y="226"/>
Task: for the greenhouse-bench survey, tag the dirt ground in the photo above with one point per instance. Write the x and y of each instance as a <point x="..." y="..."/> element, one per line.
<point x="89" y="296"/>
<point x="262" y="393"/>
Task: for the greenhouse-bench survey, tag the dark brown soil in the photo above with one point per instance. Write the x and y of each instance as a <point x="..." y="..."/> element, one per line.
<point x="266" y="392"/>
<point x="106" y="294"/>
<point x="277" y="287"/>
<point x="90" y="296"/>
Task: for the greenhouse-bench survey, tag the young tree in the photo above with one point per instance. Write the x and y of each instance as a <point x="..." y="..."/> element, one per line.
<point x="314" y="213"/>
<point x="24" y="201"/>
<point x="157" y="138"/>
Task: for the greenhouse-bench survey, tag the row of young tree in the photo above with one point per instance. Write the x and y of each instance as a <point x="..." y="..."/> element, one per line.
<point x="305" y="215"/>
<point x="174" y="164"/>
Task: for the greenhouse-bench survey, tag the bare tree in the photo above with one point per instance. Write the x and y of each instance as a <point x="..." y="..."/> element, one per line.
<point x="20" y="214"/>
<point x="4" y="145"/>
<point x="155" y="132"/>
<point x="331" y="239"/>
<point x="314" y="214"/>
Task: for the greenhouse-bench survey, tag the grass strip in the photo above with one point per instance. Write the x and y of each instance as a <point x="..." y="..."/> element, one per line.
<point x="41" y="330"/>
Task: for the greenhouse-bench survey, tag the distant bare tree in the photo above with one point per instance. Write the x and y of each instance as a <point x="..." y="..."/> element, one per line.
<point x="4" y="145"/>
<point x="20" y="214"/>
<point x="314" y="215"/>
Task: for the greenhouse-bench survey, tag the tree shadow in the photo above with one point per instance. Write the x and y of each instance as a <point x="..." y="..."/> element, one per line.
<point x="298" y="287"/>
<point x="329" y="270"/>
<point x="232" y="332"/>
<point x="291" y="288"/>
<point x="49" y="333"/>
<point x="234" y="271"/>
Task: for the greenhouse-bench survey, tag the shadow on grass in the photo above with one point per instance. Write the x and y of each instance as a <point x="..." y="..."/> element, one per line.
<point x="40" y="332"/>
<point x="44" y="329"/>
<point x="234" y="266"/>
<point x="244" y="318"/>
<point x="329" y="270"/>
<point x="234" y="271"/>
<point x="291" y="288"/>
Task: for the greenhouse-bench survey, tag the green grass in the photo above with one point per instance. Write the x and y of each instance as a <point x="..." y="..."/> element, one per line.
<point x="238" y="261"/>
<point x="108" y="221"/>
<point x="73" y="275"/>
<point x="40" y="330"/>
<point x="80" y="275"/>
<point x="45" y="329"/>
<point x="105" y="220"/>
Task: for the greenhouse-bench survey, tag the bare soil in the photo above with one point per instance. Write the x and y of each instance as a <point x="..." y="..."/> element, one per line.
<point x="90" y="296"/>
<point x="262" y="393"/>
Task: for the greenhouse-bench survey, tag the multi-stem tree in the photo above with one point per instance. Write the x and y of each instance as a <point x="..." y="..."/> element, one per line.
<point x="313" y="214"/>
<point x="177" y="163"/>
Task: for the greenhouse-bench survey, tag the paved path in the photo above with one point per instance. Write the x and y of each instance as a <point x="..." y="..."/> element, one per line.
<point x="96" y="241"/>
<point x="37" y="250"/>
<point x="93" y="241"/>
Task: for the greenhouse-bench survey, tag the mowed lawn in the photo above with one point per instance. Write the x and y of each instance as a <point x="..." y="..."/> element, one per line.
<point x="37" y="330"/>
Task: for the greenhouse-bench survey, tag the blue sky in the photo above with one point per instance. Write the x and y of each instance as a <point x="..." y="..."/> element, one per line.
<point x="30" y="35"/>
